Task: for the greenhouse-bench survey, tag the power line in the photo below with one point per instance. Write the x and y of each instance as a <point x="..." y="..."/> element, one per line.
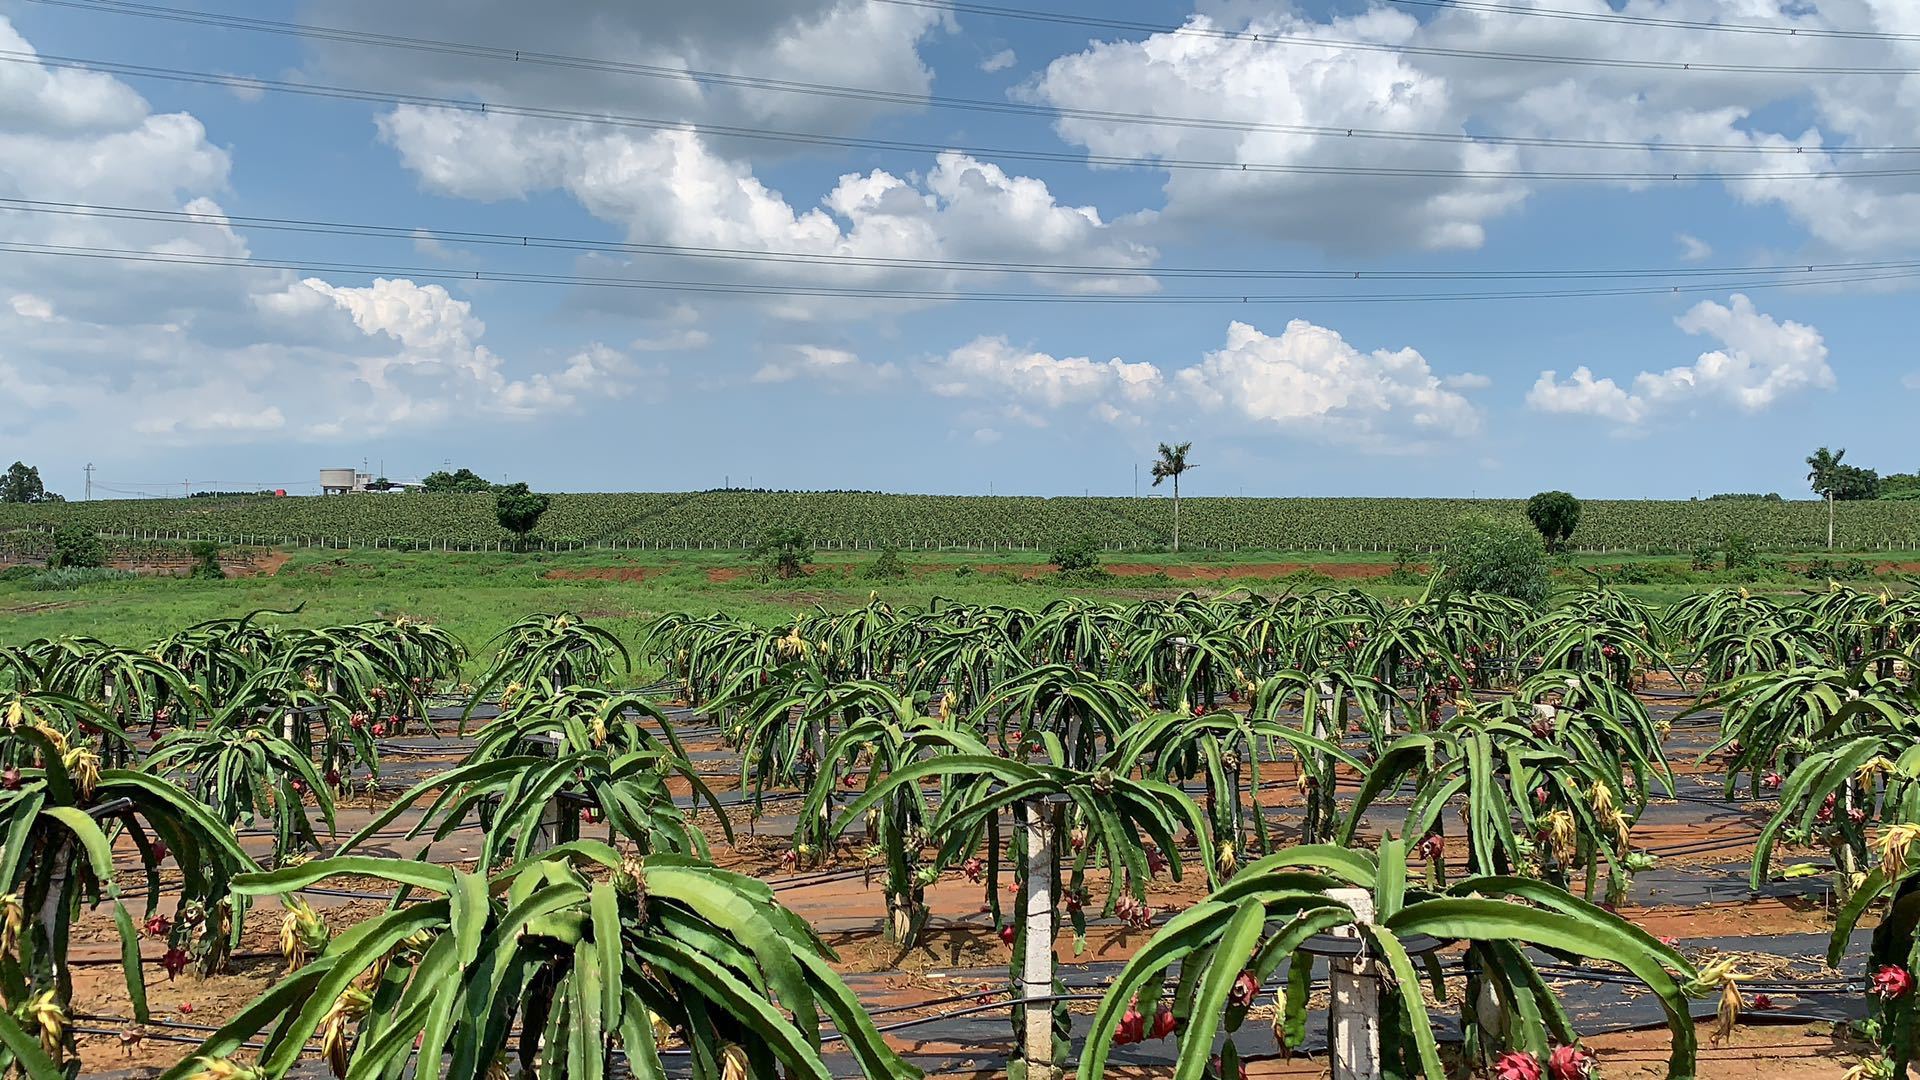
<point x="1627" y="19"/>
<point x="965" y="7"/>
<point x="748" y="289"/>
<point x="529" y="241"/>
<point x="897" y="97"/>
<point x="819" y="139"/>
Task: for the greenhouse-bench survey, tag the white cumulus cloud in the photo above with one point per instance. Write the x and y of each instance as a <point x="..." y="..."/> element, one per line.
<point x="1309" y="380"/>
<point x="994" y="367"/>
<point x="1760" y="361"/>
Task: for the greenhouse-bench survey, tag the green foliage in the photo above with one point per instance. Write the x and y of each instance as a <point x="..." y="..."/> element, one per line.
<point x="76" y="547"/>
<point x="1741" y="555"/>
<point x="553" y="959"/>
<point x="1555" y="515"/>
<point x="1486" y="555"/>
<point x="462" y="481"/>
<point x="1075" y="553"/>
<point x="1235" y="942"/>
<point x="783" y="552"/>
<point x="1771" y="496"/>
<point x="1831" y="477"/>
<point x="518" y="509"/>
<point x="206" y="560"/>
<point x="21" y="484"/>
<point x="1823" y="570"/>
<point x="1705" y="557"/>
<point x="1900" y="486"/>
<point x="886" y="567"/>
<point x="73" y="577"/>
<point x="1405" y="571"/>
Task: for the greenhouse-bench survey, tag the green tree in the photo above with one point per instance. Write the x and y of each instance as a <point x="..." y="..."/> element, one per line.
<point x="21" y="484"/>
<point x="1487" y="555"/>
<point x="783" y="552"/>
<point x="518" y="510"/>
<point x="1172" y="463"/>
<point x="206" y="560"/>
<point x="1834" y="480"/>
<point x="1555" y="514"/>
<point x="75" y="546"/>
<point x="462" y="481"/>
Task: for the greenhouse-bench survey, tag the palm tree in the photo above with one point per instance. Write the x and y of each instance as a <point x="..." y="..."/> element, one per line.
<point x="1173" y="462"/>
<point x="1824" y="475"/>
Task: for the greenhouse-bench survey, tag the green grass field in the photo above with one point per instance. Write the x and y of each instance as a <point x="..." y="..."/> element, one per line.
<point x="475" y="595"/>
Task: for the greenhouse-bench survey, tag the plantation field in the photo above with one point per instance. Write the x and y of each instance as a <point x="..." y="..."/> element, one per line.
<point x="1609" y="834"/>
<point x="735" y="519"/>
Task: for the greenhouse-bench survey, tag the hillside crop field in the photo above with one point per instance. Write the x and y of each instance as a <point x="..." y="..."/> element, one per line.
<point x="737" y="519"/>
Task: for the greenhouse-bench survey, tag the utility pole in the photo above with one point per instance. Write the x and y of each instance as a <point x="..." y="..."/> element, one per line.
<point x="89" y="472"/>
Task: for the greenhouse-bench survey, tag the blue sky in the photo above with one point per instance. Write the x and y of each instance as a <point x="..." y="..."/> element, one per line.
<point x="249" y="375"/>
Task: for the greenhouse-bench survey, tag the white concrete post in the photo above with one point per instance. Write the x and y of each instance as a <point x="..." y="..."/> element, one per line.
<point x="1036" y="966"/>
<point x="1354" y="1018"/>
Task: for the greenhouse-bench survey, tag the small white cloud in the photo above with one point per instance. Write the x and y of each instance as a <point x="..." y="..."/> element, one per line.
<point x="243" y="88"/>
<point x="1466" y="380"/>
<point x="426" y="243"/>
<point x="999" y="61"/>
<point x="834" y="365"/>
<point x="677" y="341"/>
<point x="986" y="435"/>
<point x="1761" y="360"/>
<point x="1694" y="249"/>
<point x="29" y="306"/>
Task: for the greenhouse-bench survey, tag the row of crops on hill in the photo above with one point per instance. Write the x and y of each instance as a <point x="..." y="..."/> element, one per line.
<point x="1064" y="761"/>
<point x="737" y="519"/>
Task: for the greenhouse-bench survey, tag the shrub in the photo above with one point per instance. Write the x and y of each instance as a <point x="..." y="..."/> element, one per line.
<point x="1078" y="553"/>
<point x="76" y="547"/>
<point x="1090" y="575"/>
<point x="1404" y="571"/>
<point x="1485" y="554"/>
<point x="206" y="560"/>
<point x="783" y="552"/>
<point x="1741" y="554"/>
<point x="72" y="577"/>
<point x="887" y="567"/>
<point x="1704" y="557"/>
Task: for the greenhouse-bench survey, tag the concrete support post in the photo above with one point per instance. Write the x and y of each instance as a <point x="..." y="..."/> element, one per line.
<point x="1355" y="1013"/>
<point x="1036" y="967"/>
